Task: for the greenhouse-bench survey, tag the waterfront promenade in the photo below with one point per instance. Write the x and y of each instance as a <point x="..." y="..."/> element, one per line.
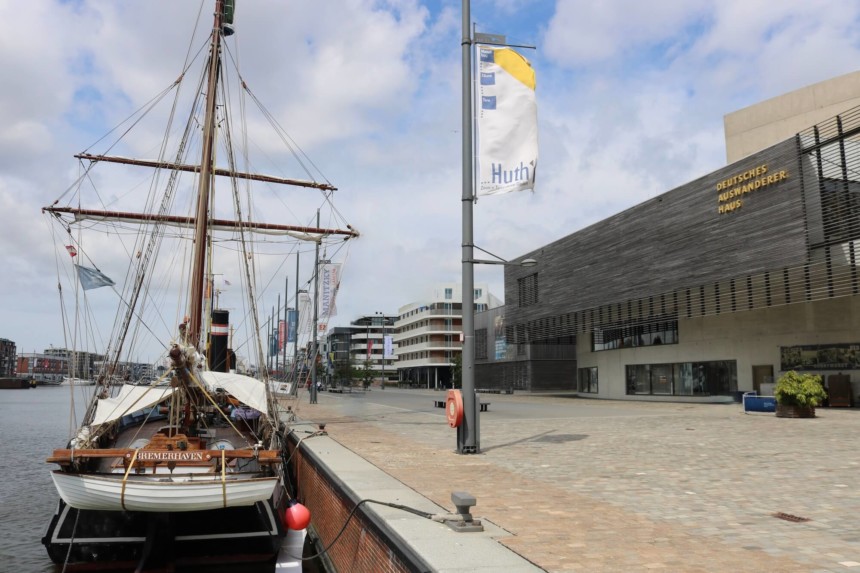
<point x="611" y="486"/>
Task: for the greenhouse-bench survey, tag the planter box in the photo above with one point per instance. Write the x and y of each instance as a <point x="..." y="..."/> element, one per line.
<point x="790" y="411"/>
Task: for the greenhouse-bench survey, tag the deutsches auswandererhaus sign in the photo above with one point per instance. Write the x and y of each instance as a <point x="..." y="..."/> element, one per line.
<point x="731" y="191"/>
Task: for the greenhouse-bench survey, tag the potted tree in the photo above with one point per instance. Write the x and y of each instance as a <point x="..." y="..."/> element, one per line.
<point x="797" y="395"/>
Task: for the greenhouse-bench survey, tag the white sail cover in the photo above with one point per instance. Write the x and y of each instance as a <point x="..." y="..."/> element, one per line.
<point x="130" y="399"/>
<point x="247" y="390"/>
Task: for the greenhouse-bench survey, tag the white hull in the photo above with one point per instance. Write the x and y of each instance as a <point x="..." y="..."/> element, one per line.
<point x="77" y="382"/>
<point x="102" y="492"/>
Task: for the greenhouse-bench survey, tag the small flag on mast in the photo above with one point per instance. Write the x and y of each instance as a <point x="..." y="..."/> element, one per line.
<point x="92" y="278"/>
<point x="72" y="250"/>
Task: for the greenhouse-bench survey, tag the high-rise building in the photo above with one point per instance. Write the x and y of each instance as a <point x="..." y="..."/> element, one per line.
<point x="8" y="358"/>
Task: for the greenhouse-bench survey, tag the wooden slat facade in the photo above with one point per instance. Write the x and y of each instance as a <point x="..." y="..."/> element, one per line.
<point x="792" y="240"/>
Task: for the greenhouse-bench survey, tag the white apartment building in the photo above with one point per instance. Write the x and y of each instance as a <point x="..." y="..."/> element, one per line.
<point x="427" y="334"/>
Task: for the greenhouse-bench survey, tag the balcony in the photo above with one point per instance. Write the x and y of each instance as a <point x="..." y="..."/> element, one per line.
<point x="431" y="345"/>
<point x="453" y="313"/>
<point x="441" y="330"/>
<point x="432" y="361"/>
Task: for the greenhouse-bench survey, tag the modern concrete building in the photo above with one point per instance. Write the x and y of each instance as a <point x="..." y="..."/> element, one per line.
<point x="427" y="334"/>
<point x="80" y="364"/>
<point x="766" y="123"/>
<point x="544" y="365"/>
<point x="712" y="288"/>
<point x="361" y="345"/>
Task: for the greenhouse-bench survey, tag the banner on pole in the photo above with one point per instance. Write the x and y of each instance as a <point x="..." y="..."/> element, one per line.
<point x="328" y="283"/>
<point x="305" y="314"/>
<point x="387" y="347"/>
<point x="292" y="324"/>
<point x="506" y="129"/>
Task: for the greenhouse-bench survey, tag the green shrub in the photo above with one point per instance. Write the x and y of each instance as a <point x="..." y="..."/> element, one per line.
<point x="793" y="389"/>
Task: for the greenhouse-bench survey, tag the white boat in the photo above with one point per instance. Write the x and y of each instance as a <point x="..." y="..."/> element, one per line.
<point x="191" y="464"/>
<point x="69" y="381"/>
<point x="192" y="492"/>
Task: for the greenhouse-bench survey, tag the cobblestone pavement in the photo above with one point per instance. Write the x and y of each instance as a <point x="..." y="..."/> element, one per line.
<point x="631" y="486"/>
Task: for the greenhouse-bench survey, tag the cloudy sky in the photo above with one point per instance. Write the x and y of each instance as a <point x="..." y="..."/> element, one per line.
<point x="631" y="99"/>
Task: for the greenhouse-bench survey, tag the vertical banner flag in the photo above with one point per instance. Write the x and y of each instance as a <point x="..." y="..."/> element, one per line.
<point x="282" y="334"/>
<point x="387" y="347"/>
<point x="506" y="121"/>
<point x="292" y="324"/>
<point x="328" y="283"/>
<point x="305" y="314"/>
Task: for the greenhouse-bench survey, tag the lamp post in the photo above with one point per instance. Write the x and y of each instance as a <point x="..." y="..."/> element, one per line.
<point x="468" y="441"/>
<point x="382" y="382"/>
<point x="467" y="433"/>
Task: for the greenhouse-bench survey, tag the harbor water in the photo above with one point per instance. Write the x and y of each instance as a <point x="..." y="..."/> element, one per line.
<point x="33" y="422"/>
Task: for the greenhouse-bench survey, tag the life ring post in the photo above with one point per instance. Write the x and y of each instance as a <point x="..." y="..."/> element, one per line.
<point x="454" y="408"/>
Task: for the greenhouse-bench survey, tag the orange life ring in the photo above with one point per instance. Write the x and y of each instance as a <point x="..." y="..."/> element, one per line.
<point x="454" y="408"/>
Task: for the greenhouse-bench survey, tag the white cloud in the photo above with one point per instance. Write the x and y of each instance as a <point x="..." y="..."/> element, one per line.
<point x="631" y="97"/>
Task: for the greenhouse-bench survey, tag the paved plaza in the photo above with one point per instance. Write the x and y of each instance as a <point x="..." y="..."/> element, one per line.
<point x="611" y="486"/>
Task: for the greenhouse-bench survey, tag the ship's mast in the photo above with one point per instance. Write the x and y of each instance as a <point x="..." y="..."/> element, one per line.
<point x="201" y="228"/>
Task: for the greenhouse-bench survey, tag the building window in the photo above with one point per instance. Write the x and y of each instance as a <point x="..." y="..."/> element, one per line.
<point x="634" y="333"/>
<point x="716" y="378"/>
<point x="478" y="293"/>
<point x="480" y="343"/>
<point x="527" y="288"/>
<point x="587" y="380"/>
<point x="449" y="293"/>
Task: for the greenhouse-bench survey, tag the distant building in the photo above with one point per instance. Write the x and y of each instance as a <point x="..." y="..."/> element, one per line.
<point x="428" y="333"/>
<point x="8" y="358"/>
<point x="80" y="364"/>
<point x="126" y="371"/>
<point x="43" y="368"/>
<point x="360" y="345"/>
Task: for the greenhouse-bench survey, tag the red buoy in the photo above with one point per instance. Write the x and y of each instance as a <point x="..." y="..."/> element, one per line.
<point x="296" y="516"/>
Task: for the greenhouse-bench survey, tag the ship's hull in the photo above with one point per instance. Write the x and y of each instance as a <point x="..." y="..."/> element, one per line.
<point x="228" y="539"/>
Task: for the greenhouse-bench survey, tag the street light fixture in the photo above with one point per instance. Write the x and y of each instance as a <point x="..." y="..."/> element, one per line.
<point x="467" y="432"/>
<point x="499" y="260"/>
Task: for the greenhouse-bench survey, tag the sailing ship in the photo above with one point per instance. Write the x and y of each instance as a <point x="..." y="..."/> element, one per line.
<point x="188" y="470"/>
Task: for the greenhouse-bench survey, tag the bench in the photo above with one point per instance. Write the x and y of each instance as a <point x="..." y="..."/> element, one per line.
<point x="495" y="391"/>
<point x="441" y="404"/>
